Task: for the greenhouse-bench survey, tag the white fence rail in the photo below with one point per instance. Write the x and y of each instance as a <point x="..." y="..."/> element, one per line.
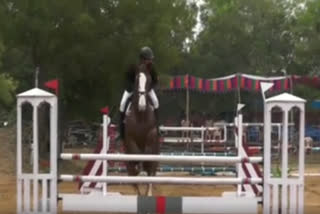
<point x="160" y="180"/>
<point x="162" y="158"/>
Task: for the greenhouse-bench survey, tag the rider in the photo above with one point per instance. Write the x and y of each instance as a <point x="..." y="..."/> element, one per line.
<point x="146" y="58"/>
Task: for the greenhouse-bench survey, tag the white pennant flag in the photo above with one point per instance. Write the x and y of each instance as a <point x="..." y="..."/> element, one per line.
<point x="240" y="106"/>
<point x="265" y="86"/>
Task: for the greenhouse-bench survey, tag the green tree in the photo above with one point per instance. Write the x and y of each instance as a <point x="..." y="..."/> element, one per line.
<point x="7" y="90"/>
<point x="88" y="45"/>
<point x="307" y="44"/>
<point x="242" y="36"/>
<point x="7" y="84"/>
<point x="245" y="36"/>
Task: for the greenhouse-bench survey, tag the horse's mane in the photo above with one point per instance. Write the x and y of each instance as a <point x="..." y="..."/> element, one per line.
<point x="134" y="68"/>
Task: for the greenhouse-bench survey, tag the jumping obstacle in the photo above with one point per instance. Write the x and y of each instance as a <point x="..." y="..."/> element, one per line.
<point x="94" y="168"/>
<point x="290" y="201"/>
<point x="201" y="170"/>
<point x="200" y="153"/>
<point x="138" y="204"/>
<point x="162" y="158"/>
<point x="97" y="169"/>
<point x="199" y="135"/>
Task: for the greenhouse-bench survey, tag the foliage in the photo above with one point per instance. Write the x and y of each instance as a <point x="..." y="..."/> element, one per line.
<point x="88" y="46"/>
<point x="257" y="37"/>
<point x="242" y="36"/>
<point x="307" y="44"/>
<point x="7" y="89"/>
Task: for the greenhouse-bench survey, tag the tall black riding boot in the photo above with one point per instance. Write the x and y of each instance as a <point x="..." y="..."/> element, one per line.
<point x="121" y="125"/>
<point x="156" y="114"/>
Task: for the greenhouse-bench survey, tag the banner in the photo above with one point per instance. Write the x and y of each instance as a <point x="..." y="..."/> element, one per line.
<point x="227" y="83"/>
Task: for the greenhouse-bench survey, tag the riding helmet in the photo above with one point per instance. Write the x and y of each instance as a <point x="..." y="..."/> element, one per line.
<point x="146" y="53"/>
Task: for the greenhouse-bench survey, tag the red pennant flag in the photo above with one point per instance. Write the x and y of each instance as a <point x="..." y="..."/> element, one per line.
<point x="186" y="81"/>
<point x="53" y="84"/>
<point x="105" y="110"/>
<point x="171" y="84"/>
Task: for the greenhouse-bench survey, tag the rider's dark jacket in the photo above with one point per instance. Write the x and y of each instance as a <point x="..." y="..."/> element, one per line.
<point x="130" y="76"/>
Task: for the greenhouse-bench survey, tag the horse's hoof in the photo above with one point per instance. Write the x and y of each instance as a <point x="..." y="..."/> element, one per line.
<point x="143" y="173"/>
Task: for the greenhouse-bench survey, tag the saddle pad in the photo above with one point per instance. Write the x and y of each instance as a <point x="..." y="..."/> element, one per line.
<point x="128" y="109"/>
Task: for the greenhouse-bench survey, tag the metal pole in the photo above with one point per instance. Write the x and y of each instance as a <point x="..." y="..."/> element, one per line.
<point x="291" y="90"/>
<point x="36" y="81"/>
<point x="239" y="88"/>
<point x="105" y="148"/>
<point x="187" y="105"/>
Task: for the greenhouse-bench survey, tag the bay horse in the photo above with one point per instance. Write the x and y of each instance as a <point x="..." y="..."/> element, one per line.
<point x="141" y="131"/>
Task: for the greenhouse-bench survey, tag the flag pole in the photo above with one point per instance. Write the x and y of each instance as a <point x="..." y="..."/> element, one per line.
<point x="239" y="82"/>
<point x="187" y="100"/>
<point x="36" y="79"/>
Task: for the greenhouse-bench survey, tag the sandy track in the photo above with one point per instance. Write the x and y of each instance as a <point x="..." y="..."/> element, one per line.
<point x="8" y="181"/>
<point x="8" y="192"/>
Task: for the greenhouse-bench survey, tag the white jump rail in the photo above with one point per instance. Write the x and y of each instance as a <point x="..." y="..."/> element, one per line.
<point x="181" y="128"/>
<point x="137" y="204"/>
<point x="162" y="158"/>
<point x="217" y="127"/>
<point x="160" y="180"/>
<point x="202" y="139"/>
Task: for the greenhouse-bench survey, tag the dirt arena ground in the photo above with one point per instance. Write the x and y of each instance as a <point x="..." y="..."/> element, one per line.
<point x="8" y="182"/>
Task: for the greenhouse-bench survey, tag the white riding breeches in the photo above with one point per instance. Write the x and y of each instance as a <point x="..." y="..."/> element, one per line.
<point x="154" y="99"/>
<point x="126" y="95"/>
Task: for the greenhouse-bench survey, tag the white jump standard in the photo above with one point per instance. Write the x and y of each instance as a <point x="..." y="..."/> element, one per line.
<point x="33" y="196"/>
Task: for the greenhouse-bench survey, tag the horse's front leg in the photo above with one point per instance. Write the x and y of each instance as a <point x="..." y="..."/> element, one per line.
<point x="133" y="167"/>
<point x="152" y="147"/>
<point x="133" y="170"/>
<point x="149" y="189"/>
<point x="150" y="168"/>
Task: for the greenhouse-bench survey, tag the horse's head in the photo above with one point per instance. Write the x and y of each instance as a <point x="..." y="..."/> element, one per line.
<point x="142" y="86"/>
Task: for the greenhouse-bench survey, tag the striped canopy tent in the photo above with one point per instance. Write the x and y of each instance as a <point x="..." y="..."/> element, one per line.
<point x="227" y="84"/>
<point x="235" y="82"/>
<point x="311" y="81"/>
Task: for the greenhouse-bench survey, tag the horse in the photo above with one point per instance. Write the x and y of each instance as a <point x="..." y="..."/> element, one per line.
<point x="141" y="131"/>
